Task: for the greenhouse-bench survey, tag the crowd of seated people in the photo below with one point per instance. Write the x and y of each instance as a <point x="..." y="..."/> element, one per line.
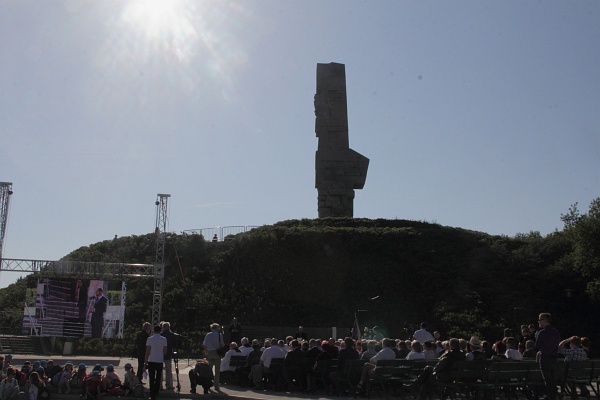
<point x="306" y="365"/>
<point x="37" y="380"/>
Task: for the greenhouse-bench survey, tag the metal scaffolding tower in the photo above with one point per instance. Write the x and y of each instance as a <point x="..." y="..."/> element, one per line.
<point x="159" y="261"/>
<point x="5" y="193"/>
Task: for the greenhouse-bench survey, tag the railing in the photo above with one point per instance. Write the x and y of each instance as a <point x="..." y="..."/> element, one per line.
<point x="218" y="233"/>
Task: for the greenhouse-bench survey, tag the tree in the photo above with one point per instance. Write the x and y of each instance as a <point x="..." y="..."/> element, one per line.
<point x="584" y="230"/>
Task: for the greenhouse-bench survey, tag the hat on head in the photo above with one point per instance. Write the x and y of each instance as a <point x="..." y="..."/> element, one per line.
<point x="95" y="373"/>
<point x="98" y="367"/>
<point x="127" y="366"/>
<point x="110" y="367"/>
<point x="82" y="366"/>
<point x="40" y="369"/>
<point x="475" y="342"/>
<point x="43" y="363"/>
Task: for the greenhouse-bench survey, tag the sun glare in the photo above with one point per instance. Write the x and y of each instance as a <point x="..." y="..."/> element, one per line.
<point x="153" y="47"/>
<point x="158" y="19"/>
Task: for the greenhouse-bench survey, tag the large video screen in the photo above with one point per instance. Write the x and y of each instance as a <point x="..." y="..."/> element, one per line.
<point x="74" y="308"/>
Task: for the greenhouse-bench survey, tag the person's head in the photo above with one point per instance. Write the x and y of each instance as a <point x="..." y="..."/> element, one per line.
<point x="69" y="366"/>
<point x="300" y="328"/>
<point x="416" y="346"/>
<point x="348" y="342"/>
<point x="475" y="343"/>
<point x="375" y="329"/>
<point x="244" y="341"/>
<point x="402" y="345"/>
<point x="166" y="326"/>
<point x="214" y="327"/>
<point x="233" y="345"/>
<point x="575" y="342"/>
<point x="10" y="373"/>
<point x="454" y="344"/>
<point x="544" y="320"/>
<point x="463" y="344"/>
<point x="530" y="344"/>
<point x="157" y="329"/>
<point x="34" y="378"/>
<point x="128" y="367"/>
<point x="147" y="326"/>
<point x="511" y="343"/>
<point x="387" y="342"/>
<point x="274" y="342"/>
<point x="585" y="343"/>
<point x="99" y="292"/>
<point x="428" y="345"/>
<point x="295" y="344"/>
<point x="255" y="344"/>
<point x="423" y="325"/>
<point x="313" y="343"/>
<point x="371" y="344"/>
<point x="525" y="332"/>
<point x="531" y="328"/>
<point x="499" y="347"/>
<point x="437" y="335"/>
<point x="234" y="320"/>
<point x="110" y="368"/>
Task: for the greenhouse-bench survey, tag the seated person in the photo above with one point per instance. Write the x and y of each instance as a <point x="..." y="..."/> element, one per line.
<point x="9" y="387"/>
<point x="416" y="351"/>
<point x="499" y="352"/>
<point x="529" y="352"/>
<point x="227" y="371"/>
<point x="386" y="353"/>
<point x="475" y="351"/>
<point x="292" y="374"/>
<point x="370" y="352"/>
<point x="512" y="353"/>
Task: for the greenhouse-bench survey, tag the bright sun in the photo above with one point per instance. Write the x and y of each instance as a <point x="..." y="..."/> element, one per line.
<point x="159" y="19"/>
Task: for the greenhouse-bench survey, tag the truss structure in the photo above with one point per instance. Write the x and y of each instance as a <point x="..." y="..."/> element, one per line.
<point x="92" y="270"/>
<point x="159" y="262"/>
<point x="5" y="193"/>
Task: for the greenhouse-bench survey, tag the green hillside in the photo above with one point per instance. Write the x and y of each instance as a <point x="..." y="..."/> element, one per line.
<point x="320" y="272"/>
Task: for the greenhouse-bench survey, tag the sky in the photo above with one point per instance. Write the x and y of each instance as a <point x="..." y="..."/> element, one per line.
<point x="483" y="115"/>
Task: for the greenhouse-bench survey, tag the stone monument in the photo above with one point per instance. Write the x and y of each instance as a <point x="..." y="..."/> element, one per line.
<point x="339" y="169"/>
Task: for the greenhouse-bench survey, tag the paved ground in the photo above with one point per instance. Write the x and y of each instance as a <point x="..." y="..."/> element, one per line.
<point x="230" y="391"/>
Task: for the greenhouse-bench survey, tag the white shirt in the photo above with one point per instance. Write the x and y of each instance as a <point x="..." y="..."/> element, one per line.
<point x="245" y="350"/>
<point x="269" y="354"/>
<point x="422" y="335"/>
<point x="514" y="354"/>
<point x="157" y="345"/>
<point x="413" y="355"/>
<point x="227" y="360"/>
<point x="384" y="354"/>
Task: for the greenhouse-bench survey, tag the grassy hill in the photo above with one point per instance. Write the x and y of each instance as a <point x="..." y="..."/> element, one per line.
<point x="320" y="272"/>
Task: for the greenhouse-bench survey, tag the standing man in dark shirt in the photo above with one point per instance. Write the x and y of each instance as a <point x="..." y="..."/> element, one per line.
<point x="100" y="306"/>
<point x="235" y="331"/>
<point x="547" y="347"/>
<point x="140" y="344"/>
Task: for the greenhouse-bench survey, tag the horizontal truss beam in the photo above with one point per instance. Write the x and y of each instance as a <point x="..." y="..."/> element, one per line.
<point x="78" y="268"/>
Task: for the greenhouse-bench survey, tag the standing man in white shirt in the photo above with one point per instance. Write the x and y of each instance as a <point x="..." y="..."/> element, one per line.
<point x="423" y="335"/>
<point x="156" y="348"/>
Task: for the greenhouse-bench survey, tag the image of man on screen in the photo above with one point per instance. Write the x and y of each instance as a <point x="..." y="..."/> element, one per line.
<point x="100" y="306"/>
